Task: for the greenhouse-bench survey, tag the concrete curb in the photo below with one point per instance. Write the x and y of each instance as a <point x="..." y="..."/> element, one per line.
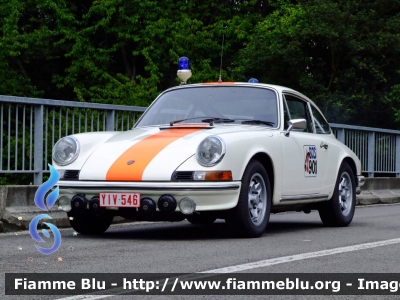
<point x="380" y="190"/>
<point x="17" y="202"/>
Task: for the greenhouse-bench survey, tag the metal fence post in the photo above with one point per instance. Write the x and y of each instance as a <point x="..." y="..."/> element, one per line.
<point x="371" y="154"/>
<point x="340" y="135"/>
<point x="110" y="120"/>
<point x="38" y="145"/>
<point x="397" y="168"/>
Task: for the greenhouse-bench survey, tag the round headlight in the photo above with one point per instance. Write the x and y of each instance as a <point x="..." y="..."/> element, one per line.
<point x="66" y="150"/>
<point x="210" y="151"/>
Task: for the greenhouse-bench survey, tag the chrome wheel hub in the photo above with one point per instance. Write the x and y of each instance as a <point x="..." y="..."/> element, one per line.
<point x="345" y="193"/>
<point x="257" y="199"/>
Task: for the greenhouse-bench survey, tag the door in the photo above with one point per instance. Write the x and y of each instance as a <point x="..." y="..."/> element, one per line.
<point x="305" y="159"/>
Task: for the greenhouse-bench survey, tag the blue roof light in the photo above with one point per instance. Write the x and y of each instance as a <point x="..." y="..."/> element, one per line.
<point x="184" y="72"/>
<point x="253" y="80"/>
<point x="183" y="63"/>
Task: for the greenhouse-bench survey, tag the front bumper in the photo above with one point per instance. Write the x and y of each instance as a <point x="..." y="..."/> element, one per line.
<point x="208" y="196"/>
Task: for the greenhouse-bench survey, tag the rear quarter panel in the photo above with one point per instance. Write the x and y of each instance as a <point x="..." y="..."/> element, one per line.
<point x="338" y="153"/>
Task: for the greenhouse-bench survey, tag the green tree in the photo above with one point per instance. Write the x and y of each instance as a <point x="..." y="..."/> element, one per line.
<point x="30" y="48"/>
<point x="126" y="51"/>
<point x="111" y="51"/>
<point x="342" y="54"/>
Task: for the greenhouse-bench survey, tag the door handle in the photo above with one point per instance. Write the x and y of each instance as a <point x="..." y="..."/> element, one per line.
<point x="323" y="145"/>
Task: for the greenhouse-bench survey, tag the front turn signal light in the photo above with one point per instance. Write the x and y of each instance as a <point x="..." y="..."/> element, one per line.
<point x="212" y="175"/>
<point x="218" y="175"/>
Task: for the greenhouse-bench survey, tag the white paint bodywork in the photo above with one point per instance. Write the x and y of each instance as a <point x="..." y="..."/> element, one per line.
<point x="243" y="142"/>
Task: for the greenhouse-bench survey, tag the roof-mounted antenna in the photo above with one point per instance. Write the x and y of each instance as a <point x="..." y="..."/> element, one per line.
<point x="222" y="54"/>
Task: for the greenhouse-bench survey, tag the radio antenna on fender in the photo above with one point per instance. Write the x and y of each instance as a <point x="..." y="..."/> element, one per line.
<point x="222" y="54"/>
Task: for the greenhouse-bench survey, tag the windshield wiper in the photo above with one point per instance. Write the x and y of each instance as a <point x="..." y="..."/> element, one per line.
<point x="213" y="120"/>
<point x="210" y="120"/>
<point x="217" y="120"/>
<point x="258" y="122"/>
<point x="179" y="121"/>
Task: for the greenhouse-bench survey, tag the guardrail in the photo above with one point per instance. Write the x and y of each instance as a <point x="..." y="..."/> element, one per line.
<point x="31" y="126"/>
<point x="378" y="149"/>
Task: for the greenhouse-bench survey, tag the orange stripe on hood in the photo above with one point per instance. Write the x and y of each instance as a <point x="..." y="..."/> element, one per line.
<point x="143" y="152"/>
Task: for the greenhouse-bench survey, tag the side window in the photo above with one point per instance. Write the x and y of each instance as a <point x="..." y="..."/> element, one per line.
<point x="321" y="126"/>
<point x="298" y="109"/>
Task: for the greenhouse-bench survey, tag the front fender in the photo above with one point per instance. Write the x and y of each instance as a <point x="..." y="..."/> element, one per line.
<point x="239" y="152"/>
<point x="88" y="143"/>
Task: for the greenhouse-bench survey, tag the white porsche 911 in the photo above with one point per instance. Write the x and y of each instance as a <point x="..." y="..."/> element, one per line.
<point x="233" y="151"/>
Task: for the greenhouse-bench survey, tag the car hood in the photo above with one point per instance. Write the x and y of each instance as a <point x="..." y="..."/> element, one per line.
<point x="148" y="154"/>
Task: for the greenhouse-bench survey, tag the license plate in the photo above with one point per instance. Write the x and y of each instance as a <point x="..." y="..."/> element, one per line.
<point x="120" y="200"/>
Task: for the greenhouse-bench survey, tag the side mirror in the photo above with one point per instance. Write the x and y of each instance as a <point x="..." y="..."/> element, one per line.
<point x="296" y="124"/>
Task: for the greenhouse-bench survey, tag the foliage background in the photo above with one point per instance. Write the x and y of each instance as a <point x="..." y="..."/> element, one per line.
<point x="342" y="54"/>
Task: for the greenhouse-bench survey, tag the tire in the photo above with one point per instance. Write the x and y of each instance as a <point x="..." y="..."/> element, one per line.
<point x="251" y="215"/>
<point x="89" y="224"/>
<point x="339" y="210"/>
<point x="201" y="219"/>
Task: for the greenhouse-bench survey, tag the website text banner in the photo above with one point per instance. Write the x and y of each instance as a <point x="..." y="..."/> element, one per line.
<point x="201" y="284"/>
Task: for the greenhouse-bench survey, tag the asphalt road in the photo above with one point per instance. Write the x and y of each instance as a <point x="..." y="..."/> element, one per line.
<point x="293" y="242"/>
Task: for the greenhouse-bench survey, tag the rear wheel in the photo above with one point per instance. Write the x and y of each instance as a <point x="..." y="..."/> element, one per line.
<point x="251" y="215"/>
<point x="339" y="211"/>
<point x="90" y="224"/>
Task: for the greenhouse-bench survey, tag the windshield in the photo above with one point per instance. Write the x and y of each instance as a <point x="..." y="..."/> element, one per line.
<point x="233" y="104"/>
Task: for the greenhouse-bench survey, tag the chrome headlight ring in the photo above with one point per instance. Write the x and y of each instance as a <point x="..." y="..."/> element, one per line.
<point x="210" y="151"/>
<point x="66" y="150"/>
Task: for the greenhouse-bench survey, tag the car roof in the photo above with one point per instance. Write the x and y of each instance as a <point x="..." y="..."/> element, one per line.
<point x="278" y="88"/>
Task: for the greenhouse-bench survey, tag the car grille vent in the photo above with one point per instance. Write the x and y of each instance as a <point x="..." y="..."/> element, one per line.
<point x="182" y="176"/>
<point x="71" y="174"/>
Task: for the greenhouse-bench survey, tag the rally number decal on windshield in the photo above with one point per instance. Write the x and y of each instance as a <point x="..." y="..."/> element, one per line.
<point x="310" y="161"/>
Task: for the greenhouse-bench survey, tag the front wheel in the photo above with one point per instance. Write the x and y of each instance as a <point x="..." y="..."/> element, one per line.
<point x="89" y="224"/>
<point x="339" y="210"/>
<point x="251" y="215"/>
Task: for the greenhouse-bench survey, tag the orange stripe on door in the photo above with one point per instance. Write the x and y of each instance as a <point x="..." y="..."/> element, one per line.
<point x="143" y="152"/>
